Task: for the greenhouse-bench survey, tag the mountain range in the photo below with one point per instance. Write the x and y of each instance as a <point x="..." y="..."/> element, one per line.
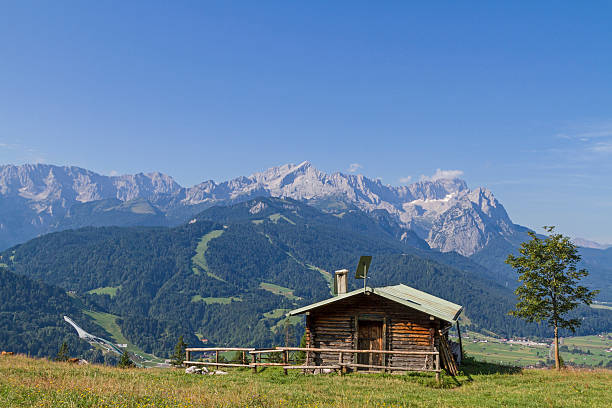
<point x="38" y="198"/>
<point x="440" y="213"/>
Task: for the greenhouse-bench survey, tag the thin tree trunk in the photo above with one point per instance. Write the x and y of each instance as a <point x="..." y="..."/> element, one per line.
<point x="557" y="359"/>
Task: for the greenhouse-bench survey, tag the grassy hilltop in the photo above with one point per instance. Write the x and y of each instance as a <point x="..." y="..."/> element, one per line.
<point x="26" y="382"/>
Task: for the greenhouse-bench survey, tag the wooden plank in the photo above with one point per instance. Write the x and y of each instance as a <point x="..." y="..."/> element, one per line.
<point x="398" y="352"/>
<point x="384" y="341"/>
<point x="219" y="349"/>
<point x="215" y="364"/>
<point x="305" y="367"/>
<point x="285" y="360"/>
<point x="391" y="368"/>
<point x="460" y="343"/>
<point x="447" y="356"/>
<point x="265" y="351"/>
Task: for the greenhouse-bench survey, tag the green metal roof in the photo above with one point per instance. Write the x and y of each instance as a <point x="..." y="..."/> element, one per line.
<point x="404" y="295"/>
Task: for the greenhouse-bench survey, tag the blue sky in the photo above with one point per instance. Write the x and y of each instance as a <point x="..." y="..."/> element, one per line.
<point x="516" y="96"/>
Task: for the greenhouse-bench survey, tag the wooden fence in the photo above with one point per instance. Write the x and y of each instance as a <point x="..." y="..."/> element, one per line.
<point x="285" y="360"/>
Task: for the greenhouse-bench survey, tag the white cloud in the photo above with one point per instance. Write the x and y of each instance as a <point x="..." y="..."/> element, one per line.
<point x="353" y="167"/>
<point x="443" y="175"/>
<point x="405" y="180"/>
<point x="588" y="131"/>
<point x="602" y="147"/>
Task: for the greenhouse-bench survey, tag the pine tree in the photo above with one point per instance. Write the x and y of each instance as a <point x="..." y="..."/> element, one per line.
<point x="179" y="352"/>
<point x="549" y="283"/>
<point x="63" y="354"/>
<point x="125" y="361"/>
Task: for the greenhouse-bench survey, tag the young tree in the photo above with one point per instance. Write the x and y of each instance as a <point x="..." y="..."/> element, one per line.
<point x="549" y="283"/>
<point x="62" y="354"/>
<point x="125" y="361"/>
<point x="179" y="352"/>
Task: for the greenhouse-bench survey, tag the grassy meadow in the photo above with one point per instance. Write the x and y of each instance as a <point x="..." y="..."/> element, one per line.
<point x="109" y="323"/>
<point x="579" y="350"/>
<point x="26" y="382"/>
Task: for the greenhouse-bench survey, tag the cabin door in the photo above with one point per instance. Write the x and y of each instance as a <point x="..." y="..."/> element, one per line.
<point x="370" y="337"/>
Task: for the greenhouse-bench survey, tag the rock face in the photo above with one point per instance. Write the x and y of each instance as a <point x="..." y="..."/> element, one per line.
<point x="444" y="212"/>
<point x="36" y="199"/>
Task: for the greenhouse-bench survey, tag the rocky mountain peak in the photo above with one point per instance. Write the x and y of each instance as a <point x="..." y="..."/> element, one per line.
<point x="443" y="211"/>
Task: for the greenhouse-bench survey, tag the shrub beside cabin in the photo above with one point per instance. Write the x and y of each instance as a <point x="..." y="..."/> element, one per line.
<point x="397" y="318"/>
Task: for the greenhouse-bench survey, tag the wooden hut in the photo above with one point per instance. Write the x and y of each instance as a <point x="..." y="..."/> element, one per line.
<point x="394" y="318"/>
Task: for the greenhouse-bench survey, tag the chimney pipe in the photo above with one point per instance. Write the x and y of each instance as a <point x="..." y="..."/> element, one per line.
<point x="341" y="281"/>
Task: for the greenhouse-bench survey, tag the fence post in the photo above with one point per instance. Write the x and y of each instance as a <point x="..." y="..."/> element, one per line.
<point x="340" y="361"/>
<point x="187" y="356"/>
<point x="438" y="367"/>
<point x="285" y="360"/>
<point x="254" y="362"/>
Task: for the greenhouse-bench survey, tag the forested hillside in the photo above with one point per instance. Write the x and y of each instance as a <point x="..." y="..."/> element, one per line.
<point x="230" y="275"/>
<point x="598" y="262"/>
<point x="31" y="317"/>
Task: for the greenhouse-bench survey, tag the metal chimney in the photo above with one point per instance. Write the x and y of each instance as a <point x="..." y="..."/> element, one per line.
<point x="341" y="281"/>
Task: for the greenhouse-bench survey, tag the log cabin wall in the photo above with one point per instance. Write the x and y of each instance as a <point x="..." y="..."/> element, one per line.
<point x="337" y="326"/>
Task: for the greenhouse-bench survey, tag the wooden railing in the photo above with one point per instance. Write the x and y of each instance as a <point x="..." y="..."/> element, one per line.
<point x="340" y="367"/>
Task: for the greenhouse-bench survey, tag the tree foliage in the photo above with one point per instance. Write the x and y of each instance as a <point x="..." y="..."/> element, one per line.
<point x="549" y="278"/>
<point x="179" y="352"/>
<point x="31" y="317"/>
<point x="125" y="361"/>
<point x="63" y="354"/>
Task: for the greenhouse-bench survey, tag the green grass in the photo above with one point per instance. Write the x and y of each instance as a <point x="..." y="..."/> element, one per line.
<point x="279" y="290"/>
<point x="109" y="323"/>
<point x="215" y="300"/>
<point x="136" y="207"/>
<point x="108" y="290"/>
<point x="596" y="345"/>
<point x="257" y="222"/>
<point x="276" y="313"/>
<point x="291" y="320"/>
<point x="601" y="306"/>
<point x="26" y="382"/>
<point x="3" y="265"/>
<point x="276" y="217"/>
<point x="506" y="353"/>
<point x="280" y="314"/>
<point x="199" y="260"/>
<point x="592" y="350"/>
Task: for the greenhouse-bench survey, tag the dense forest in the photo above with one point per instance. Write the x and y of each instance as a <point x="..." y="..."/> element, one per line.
<point x="31" y="317"/>
<point x="230" y="276"/>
